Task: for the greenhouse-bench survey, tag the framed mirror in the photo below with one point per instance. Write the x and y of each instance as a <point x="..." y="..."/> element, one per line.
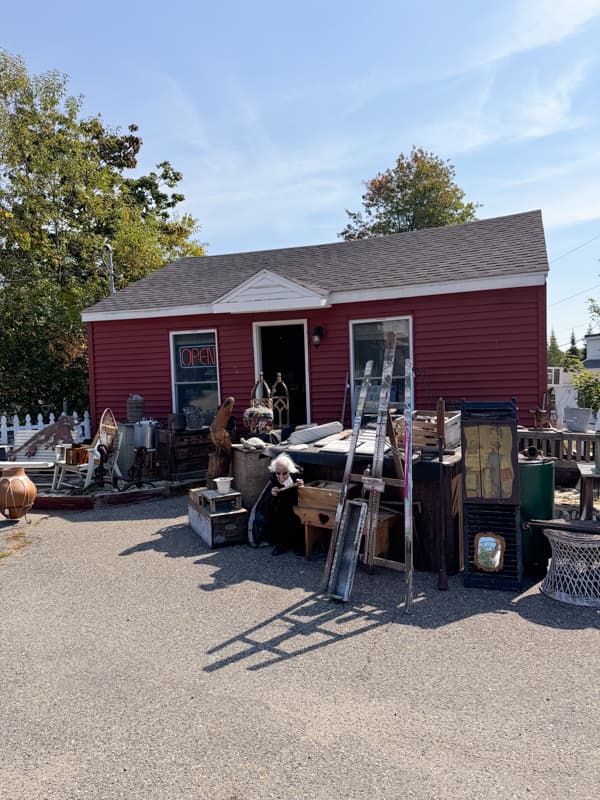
<point x="489" y="551"/>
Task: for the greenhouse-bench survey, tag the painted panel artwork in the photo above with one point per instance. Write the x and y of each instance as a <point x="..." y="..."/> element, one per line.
<point x="490" y="463"/>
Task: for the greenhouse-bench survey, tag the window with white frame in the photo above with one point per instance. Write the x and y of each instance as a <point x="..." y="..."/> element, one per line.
<point x="195" y="375"/>
<point x="368" y="343"/>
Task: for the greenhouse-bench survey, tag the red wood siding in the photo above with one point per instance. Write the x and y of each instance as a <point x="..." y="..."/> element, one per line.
<point x="476" y="345"/>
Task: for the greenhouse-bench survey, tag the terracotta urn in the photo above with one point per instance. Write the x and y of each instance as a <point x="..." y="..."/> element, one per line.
<point x="17" y="493"/>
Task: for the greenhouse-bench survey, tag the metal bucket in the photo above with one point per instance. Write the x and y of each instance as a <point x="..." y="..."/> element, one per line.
<point x="578" y="420"/>
<point x="135" y="408"/>
<point x="144" y="434"/>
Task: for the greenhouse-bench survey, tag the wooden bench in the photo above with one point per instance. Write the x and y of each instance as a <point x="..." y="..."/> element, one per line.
<point x="41" y="461"/>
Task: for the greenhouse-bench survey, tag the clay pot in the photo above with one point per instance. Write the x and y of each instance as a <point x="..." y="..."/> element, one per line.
<point x="17" y="493"/>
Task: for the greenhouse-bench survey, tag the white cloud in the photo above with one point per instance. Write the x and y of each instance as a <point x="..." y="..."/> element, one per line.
<point x="535" y="110"/>
<point x="536" y="23"/>
<point x="571" y="206"/>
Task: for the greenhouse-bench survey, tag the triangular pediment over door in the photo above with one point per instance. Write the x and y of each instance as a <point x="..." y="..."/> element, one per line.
<point x="268" y="291"/>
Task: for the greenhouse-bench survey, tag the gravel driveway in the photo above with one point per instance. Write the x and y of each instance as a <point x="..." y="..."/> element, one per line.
<point x="136" y="663"/>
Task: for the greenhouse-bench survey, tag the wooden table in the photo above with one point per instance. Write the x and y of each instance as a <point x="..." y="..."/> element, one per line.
<point x="589" y="480"/>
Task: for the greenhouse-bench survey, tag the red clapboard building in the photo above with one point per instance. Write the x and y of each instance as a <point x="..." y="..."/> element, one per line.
<point x="468" y="301"/>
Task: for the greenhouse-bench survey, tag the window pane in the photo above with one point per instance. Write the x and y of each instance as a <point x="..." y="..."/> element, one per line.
<point x="195" y="357"/>
<point x="369" y="344"/>
<point x="196" y="375"/>
<point x="368" y="340"/>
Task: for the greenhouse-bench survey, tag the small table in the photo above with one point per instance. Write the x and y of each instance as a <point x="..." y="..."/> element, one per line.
<point x="589" y="479"/>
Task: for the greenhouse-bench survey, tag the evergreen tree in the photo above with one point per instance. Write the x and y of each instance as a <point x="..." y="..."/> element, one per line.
<point x="555" y="354"/>
<point x="573" y="350"/>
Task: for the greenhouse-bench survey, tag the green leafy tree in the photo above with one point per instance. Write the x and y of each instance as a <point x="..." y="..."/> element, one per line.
<point x="418" y="192"/>
<point x="586" y="382"/>
<point x="64" y="192"/>
<point x="555" y="354"/>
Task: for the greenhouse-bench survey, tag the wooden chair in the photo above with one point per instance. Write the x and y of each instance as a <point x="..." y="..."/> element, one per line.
<point x="103" y="451"/>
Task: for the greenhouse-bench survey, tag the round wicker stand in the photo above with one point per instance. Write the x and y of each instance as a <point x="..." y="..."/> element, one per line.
<point x="574" y="573"/>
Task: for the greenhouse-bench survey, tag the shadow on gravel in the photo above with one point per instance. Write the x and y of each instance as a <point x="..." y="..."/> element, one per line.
<point x="316" y="621"/>
<point x="542" y="610"/>
<point x="174" y="541"/>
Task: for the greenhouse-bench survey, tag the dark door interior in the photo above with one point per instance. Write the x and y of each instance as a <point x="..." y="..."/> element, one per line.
<point x="282" y="349"/>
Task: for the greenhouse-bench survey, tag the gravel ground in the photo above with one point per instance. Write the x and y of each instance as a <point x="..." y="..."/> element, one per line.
<point x="137" y="663"/>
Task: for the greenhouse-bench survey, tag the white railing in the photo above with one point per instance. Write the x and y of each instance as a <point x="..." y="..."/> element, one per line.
<point x="82" y="426"/>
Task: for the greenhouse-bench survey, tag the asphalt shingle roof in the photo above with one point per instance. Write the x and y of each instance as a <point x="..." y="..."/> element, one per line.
<point x="496" y="247"/>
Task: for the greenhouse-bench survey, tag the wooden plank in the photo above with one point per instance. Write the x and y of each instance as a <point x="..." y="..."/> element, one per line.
<point x="399" y="566"/>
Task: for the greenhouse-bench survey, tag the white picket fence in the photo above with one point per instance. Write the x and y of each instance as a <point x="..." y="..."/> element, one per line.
<point x="82" y="426"/>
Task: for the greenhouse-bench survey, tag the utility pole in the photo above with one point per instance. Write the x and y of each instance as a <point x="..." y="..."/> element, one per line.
<point x="108" y="263"/>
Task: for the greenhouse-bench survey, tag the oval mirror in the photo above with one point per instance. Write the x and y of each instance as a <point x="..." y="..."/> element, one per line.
<point x="489" y="551"/>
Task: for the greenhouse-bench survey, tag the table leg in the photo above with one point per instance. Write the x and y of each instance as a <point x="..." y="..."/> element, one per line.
<point x="587" y="499"/>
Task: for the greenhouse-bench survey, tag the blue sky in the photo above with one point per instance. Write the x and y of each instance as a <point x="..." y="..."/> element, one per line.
<point x="277" y="112"/>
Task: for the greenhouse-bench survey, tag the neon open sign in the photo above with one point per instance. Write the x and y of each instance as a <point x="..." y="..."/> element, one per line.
<point x="194" y="356"/>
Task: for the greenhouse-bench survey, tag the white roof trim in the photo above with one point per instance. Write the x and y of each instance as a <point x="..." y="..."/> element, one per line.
<point x="306" y="298"/>
<point x="441" y="287"/>
<point x="268" y="291"/>
<point x="143" y="313"/>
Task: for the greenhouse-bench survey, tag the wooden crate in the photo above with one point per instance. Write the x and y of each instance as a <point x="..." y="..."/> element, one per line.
<point x="76" y="455"/>
<point x="213" y="501"/>
<point x="220" y="529"/>
<point x="324" y="494"/>
<point x="424" y="433"/>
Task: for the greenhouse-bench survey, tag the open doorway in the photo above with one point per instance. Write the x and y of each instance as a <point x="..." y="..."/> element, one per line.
<point x="282" y="348"/>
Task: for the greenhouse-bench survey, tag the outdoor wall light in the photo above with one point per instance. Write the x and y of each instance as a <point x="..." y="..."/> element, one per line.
<point x="317" y="335"/>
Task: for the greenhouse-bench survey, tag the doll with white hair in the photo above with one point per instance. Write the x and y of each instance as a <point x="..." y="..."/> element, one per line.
<point x="283" y="528"/>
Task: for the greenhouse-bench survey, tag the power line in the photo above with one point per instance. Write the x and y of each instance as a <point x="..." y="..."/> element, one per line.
<point x="571" y="296"/>
<point x="568" y="253"/>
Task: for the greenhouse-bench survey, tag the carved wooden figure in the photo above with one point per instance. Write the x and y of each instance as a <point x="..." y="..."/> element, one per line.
<point x="219" y="460"/>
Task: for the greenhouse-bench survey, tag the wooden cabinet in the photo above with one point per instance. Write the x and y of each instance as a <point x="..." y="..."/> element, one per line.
<point x="183" y="454"/>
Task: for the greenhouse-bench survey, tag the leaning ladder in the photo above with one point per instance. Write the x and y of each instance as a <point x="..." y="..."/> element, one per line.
<point x="355" y="517"/>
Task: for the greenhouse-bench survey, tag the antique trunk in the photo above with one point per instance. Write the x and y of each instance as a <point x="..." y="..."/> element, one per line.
<point x="183" y="454"/>
<point x="216" y="530"/>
